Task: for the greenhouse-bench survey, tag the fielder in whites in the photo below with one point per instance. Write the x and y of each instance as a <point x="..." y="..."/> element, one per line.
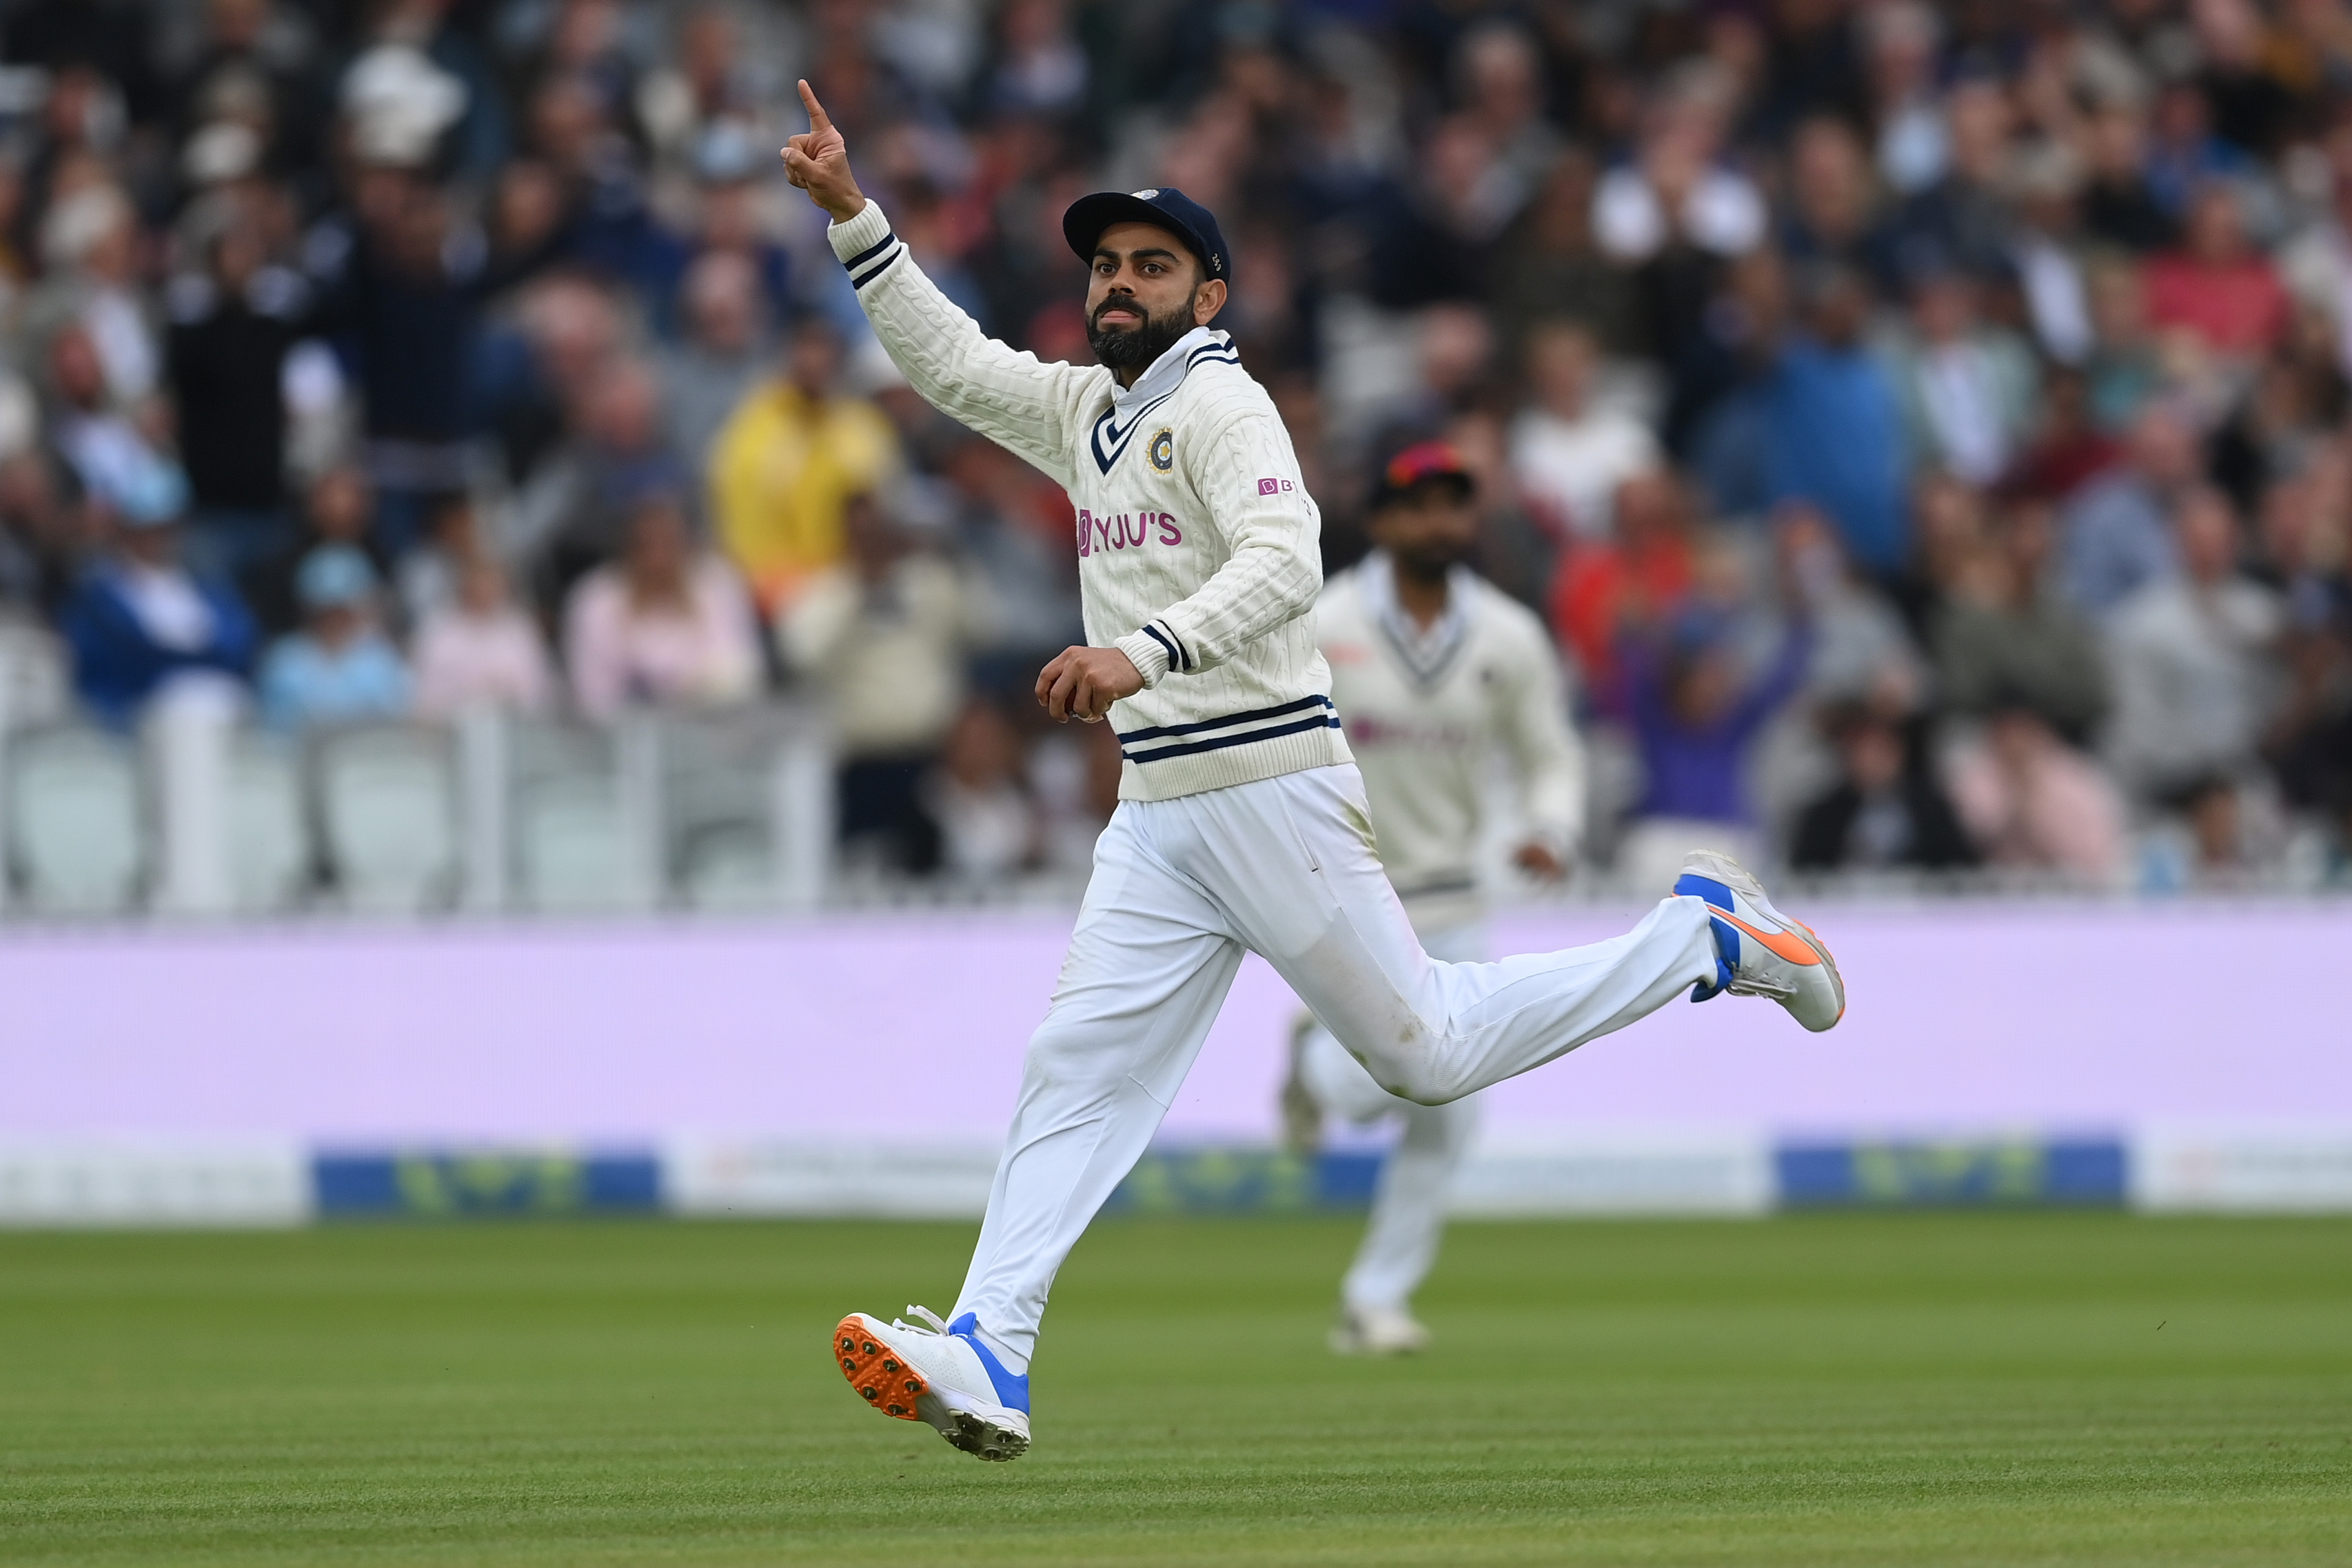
<point x="1242" y="823"/>
<point x="1434" y="671"/>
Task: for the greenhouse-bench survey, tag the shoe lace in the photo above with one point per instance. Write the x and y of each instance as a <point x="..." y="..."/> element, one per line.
<point x="937" y="1325"/>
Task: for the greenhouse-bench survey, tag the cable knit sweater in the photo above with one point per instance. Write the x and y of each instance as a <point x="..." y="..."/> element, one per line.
<point x="1198" y="545"/>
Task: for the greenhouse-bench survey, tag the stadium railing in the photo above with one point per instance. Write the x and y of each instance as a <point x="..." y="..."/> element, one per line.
<point x="198" y="815"/>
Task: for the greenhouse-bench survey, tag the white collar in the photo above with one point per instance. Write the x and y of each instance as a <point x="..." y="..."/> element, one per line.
<point x="1426" y="651"/>
<point x="1167" y="371"/>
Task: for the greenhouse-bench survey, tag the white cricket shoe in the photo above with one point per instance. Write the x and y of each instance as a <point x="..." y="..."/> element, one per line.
<point x="941" y="1374"/>
<point x="1763" y="953"/>
<point x="1377" y="1331"/>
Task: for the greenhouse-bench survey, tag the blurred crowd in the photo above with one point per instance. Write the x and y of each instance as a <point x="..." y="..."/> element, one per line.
<point x="1927" y="429"/>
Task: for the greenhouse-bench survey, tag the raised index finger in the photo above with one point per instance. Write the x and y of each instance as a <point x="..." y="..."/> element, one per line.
<point x="818" y="119"/>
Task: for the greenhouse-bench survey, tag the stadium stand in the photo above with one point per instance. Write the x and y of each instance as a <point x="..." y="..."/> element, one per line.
<point x="379" y="364"/>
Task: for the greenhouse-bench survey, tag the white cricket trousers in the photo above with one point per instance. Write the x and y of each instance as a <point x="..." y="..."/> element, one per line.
<point x="1285" y="868"/>
<point x="1408" y="1216"/>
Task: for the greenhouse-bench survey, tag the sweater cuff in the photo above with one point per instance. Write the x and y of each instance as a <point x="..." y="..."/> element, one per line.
<point x="1147" y="654"/>
<point x="862" y="233"/>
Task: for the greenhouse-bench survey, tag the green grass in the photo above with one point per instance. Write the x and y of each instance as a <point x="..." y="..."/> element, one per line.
<point x="1950" y="1388"/>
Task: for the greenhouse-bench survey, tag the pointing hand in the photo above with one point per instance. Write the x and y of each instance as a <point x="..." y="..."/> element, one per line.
<point x="818" y="162"/>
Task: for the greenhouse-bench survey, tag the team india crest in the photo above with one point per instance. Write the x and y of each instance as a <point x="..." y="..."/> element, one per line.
<point x="1163" y="451"/>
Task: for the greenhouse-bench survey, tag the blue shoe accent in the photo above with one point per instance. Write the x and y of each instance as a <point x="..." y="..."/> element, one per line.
<point x="1012" y="1392"/>
<point x="1727" y="945"/>
<point x="1692" y="885"/>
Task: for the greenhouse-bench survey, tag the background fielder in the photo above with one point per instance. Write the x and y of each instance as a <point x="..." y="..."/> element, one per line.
<point x="1433" y="672"/>
<point x="1242" y="823"/>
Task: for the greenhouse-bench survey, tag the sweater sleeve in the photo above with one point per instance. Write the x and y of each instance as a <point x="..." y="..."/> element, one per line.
<point x="1014" y="399"/>
<point x="1244" y="471"/>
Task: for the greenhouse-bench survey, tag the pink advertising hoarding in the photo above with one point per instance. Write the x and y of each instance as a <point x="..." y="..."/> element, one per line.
<point x="910" y="1027"/>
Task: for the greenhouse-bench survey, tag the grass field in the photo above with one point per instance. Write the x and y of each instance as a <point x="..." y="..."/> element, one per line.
<point x="1937" y="1388"/>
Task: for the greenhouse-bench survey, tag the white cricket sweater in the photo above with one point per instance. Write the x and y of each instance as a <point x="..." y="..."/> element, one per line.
<point x="1425" y="713"/>
<point x="1199" y="549"/>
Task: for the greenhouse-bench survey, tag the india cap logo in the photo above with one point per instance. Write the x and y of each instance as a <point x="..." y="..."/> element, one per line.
<point x="1162" y="450"/>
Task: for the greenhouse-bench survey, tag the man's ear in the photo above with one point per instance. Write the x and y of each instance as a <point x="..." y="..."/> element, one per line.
<point x="1207" y="301"/>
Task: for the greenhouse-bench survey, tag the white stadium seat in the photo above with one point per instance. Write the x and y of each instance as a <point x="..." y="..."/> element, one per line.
<point x="75" y="827"/>
<point x="388" y="810"/>
<point x="573" y="836"/>
<point x="268" y="830"/>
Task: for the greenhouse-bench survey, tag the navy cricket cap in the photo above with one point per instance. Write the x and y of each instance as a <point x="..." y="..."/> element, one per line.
<point x="1162" y="205"/>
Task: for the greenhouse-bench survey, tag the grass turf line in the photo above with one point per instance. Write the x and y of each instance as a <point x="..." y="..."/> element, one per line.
<point x="1927" y="1388"/>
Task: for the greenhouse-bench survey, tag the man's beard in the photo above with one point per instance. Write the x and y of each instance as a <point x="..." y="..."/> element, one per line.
<point x="1136" y="347"/>
<point x="1428" y="562"/>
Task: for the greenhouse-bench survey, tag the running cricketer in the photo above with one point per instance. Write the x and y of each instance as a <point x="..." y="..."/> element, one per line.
<point x="1433" y="672"/>
<point x="1241" y="821"/>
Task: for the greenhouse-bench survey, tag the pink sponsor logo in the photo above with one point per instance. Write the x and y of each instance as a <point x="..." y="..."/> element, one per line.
<point x="1125" y="530"/>
<point x="1269" y="486"/>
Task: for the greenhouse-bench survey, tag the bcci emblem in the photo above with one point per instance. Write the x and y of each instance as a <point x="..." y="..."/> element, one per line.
<point x="1163" y="451"/>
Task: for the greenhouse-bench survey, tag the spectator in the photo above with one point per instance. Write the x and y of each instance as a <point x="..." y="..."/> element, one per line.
<point x="1604" y="595"/>
<point x="429" y="574"/>
<point x="2009" y="632"/>
<point x="406" y="298"/>
<point x="2217" y="286"/>
<point x="1548" y="264"/>
<point x="252" y="71"/>
<point x="339" y="509"/>
<point x="232" y="328"/>
<point x="479" y="649"/>
<point x="141" y="624"/>
<point x="2316" y="263"/>
<point x="2209" y="840"/>
<point x="2068" y="449"/>
<point x="2031" y="803"/>
<point x="576" y="513"/>
<point x="1963" y="220"/>
<point x="2117" y="533"/>
<point x="1834" y="432"/>
<point x="786" y="463"/>
<point x="1011" y="535"/>
<point x="1695" y="713"/>
<point x="883" y="634"/>
<point x="709" y="373"/>
<point x="988" y="826"/>
<point x="566" y="331"/>
<point x="339" y="667"/>
<point x="2118" y="206"/>
<point x="2194" y="684"/>
<point x="1570" y="451"/>
<point x="2124" y="367"/>
<point x="1832" y="219"/>
<point x="2309" y="742"/>
<point x="39" y="541"/>
<point x="1074" y="777"/>
<point x="1914" y="144"/>
<point x="111" y="450"/>
<point x="89" y="241"/>
<point x="1967" y="389"/>
<point x="667" y="622"/>
<point x="2183" y="154"/>
<point x="1862" y="650"/>
<point x="1884" y="811"/>
<point x="1675" y="190"/>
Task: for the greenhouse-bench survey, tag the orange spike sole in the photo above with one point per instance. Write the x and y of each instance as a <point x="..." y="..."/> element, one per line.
<point x="881" y="1379"/>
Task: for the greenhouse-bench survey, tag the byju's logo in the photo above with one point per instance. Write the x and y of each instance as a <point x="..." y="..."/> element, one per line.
<point x="1269" y="486"/>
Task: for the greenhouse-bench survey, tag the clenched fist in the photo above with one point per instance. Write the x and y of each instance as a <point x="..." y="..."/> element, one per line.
<point x="818" y="162"/>
<point x="1082" y="682"/>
